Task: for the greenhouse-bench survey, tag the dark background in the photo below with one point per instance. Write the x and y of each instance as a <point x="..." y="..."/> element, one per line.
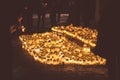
<point x="108" y="39"/>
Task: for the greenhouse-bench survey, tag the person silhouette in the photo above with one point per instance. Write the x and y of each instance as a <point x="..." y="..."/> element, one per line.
<point x="74" y="13"/>
<point x="88" y="12"/>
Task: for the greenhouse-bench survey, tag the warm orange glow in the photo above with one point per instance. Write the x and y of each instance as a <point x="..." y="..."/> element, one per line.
<point x="55" y="48"/>
<point x="12" y="29"/>
<point x="86" y="35"/>
<point x="23" y="28"/>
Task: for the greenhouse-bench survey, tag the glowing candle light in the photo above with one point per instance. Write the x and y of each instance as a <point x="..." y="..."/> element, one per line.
<point x="55" y="48"/>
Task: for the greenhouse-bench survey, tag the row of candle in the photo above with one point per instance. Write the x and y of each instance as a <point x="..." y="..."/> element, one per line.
<point x="86" y="35"/>
<point x="54" y="48"/>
